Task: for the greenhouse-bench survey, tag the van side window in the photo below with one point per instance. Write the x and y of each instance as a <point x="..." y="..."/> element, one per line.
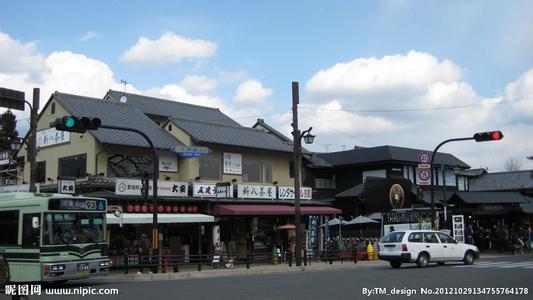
<point x="430" y="237"/>
<point x="415" y="237"/>
<point x="9" y="222"/>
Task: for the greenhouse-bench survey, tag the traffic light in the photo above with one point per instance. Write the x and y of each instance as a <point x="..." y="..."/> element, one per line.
<point x="74" y="124"/>
<point x="488" y="136"/>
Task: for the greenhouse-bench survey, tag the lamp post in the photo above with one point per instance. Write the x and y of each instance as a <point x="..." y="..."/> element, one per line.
<point x="297" y="148"/>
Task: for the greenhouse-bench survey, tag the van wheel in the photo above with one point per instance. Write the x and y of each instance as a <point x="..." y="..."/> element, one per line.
<point x="395" y="264"/>
<point x="4" y="272"/>
<point x="423" y="260"/>
<point x="440" y="263"/>
<point x="469" y="258"/>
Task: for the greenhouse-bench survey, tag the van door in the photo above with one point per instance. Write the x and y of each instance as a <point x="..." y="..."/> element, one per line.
<point x="433" y="246"/>
<point x="451" y="250"/>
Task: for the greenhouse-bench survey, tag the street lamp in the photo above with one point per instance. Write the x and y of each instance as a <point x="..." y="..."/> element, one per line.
<point x="297" y="137"/>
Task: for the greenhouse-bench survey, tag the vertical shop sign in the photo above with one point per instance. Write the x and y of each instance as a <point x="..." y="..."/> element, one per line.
<point x="313" y="232"/>
<point x="458" y="228"/>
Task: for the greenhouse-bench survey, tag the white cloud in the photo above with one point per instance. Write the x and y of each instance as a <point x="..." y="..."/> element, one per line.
<point x="169" y="48"/>
<point x="19" y="58"/>
<point x="198" y="84"/>
<point x="252" y="92"/>
<point x="179" y="93"/>
<point x="521" y="91"/>
<point x="90" y="35"/>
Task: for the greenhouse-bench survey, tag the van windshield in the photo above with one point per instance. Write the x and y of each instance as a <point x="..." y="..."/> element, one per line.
<point x="73" y="228"/>
<point x="393" y="237"/>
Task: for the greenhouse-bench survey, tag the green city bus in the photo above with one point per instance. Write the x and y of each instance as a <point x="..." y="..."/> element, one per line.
<point x="52" y="237"/>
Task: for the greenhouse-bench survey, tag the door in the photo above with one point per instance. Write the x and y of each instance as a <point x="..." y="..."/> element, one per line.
<point x="451" y="250"/>
<point x="432" y="246"/>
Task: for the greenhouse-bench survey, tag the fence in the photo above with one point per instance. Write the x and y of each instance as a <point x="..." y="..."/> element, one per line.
<point x="177" y="263"/>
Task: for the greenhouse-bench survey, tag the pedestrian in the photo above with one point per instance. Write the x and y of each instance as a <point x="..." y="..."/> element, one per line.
<point x="143" y="249"/>
<point x="391" y="229"/>
<point x="469" y="234"/>
<point x="518" y="245"/>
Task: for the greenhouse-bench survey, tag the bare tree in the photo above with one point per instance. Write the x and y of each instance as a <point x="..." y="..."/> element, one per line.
<point x="512" y="164"/>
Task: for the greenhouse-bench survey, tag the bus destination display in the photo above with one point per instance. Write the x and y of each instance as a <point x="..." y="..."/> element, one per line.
<point x="77" y="204"/>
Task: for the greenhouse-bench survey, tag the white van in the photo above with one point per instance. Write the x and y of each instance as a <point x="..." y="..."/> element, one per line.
<point x="423" y="247"/>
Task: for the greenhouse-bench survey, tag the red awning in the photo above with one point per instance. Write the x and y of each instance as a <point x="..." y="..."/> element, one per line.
<point x="270" y="210"/>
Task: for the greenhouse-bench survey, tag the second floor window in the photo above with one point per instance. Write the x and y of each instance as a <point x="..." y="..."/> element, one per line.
<point x="210" y="168"/>
<point x="251" y="171"/>
<point x="73" y="166"/>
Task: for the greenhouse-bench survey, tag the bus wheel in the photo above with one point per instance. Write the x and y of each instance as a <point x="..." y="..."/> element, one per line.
<point x="4" y="272"/>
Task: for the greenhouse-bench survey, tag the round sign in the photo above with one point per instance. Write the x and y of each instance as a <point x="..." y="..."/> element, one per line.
<point x="424" y="174"/>
<point x="424" y="157"/>
<point x="396" y="196"/>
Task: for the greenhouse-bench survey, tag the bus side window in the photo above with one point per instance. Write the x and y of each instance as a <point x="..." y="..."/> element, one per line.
<point x="31" y="232"/>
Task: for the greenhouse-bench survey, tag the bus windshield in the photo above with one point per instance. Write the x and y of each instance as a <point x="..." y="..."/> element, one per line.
<point x="73" y="228"/>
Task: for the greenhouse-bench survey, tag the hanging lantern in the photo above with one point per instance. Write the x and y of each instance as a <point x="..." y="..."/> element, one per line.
<point x="130" y="208"/>
<point x="189" y="209"/>
<point x="151" y="208"/>
<point x="183" y="208"/>
<point x="195" y="209"/>
<point x="144" y="209"/>
<point x="168" y="208"/>
<point x="175" y="209"/>
<point x="160" y="208"/>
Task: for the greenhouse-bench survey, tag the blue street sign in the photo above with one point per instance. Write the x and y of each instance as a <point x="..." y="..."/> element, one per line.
<point x="191" y="152"/>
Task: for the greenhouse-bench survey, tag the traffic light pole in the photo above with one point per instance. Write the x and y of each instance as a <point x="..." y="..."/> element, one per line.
<point x="155" y="158"/>
<point x="432" y="185"/>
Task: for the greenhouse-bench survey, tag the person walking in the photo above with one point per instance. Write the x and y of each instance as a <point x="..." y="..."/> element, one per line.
<point x="143" y="249"/>
<point x="518" y="245"/>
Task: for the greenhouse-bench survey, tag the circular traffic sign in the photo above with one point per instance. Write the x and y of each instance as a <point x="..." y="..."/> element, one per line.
<point x="424" y="157"/>
<point x="424" y="174"/>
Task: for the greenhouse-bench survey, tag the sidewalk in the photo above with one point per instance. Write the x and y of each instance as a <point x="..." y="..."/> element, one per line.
<point x="239" y="270"/>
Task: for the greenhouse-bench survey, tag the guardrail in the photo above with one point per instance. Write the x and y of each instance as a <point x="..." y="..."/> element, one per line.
<point x="176" y="263"/>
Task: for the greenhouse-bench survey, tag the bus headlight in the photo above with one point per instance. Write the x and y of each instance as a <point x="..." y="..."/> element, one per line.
<point x="104" y="263"/>
<point x="57" y="268"/>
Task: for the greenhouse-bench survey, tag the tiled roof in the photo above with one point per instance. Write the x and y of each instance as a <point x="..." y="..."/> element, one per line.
<point x="386" y="153"/>
<point x="353" y="192"/>
<point x="315" y="161"/>
<point x="168" y="108"/>
<point x="117" y="114"/>
<point x="231" y="135"/>
<point x="503" y="181"/>
<point x="490" y="197"/>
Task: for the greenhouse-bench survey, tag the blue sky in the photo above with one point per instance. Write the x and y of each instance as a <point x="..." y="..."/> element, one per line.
<point x="242" y="56"/>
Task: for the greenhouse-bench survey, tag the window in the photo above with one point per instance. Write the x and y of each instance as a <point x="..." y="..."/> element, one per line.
<point x="409" y="173"/>
<point x="393" y="237"/>
<point x="268" y="172"/>
<point x="291" y="169"/>
<point x="462" y="183"/>
<point x="73" y="228"/>
<point x="446" y="239"/>
<point x="324" y="183"/>
<point x="374" y="173"/>
<point x="53" y="108"/>
<point x="169" y="127"/>
<point x="210" y="168"/>
<point x="41" y="171"/>
<point x="251" y="171"/>
<point x="30" y="229"/>
<point x="73" y="166"/>
<point x="430" y="237"/>
<point x="449" y="177"/>
<point x="415" y="237"/>
<point x="9" y="222"/>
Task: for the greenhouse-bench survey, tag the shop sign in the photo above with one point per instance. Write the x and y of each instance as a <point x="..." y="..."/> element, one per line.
<point x="287" y="193"/>
<point x="66" y="186"/>
<point x="399" y="217"/>
<point x="51" y="137"/>
<point x="5" y="157"/>
<point x="245" y="191"/>
<point x="15" y="188"/>
<point x="407" y="226"/>
<point x="232" y="163"/>
<point x="191" y="152"/>
<point x="208" y="190"/>
<point x="458" y="228"/>
<point x="168" y="162"/>
<point x="327" y="237"/>
<point x="133" y="187"/>
<point x="313" y="232"/>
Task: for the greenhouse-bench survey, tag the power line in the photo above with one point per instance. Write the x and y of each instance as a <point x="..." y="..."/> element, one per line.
<point x="392" y="110"/>
<point x="339" y="131"/>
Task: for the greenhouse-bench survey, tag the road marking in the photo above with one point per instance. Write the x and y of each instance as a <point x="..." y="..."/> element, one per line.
<point x="483" y="264"/>
<point x="517" y="265"/>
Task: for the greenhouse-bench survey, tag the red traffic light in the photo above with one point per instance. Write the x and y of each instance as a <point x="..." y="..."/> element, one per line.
<point x="488" y="136"/>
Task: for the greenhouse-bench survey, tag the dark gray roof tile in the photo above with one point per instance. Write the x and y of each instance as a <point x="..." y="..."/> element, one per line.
<point x="503" y="181"/>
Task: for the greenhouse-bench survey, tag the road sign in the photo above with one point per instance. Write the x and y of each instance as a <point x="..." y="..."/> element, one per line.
<point x="191" y="152"/>
<point x="424" y="157"/>
<point x="424" y="176"/>
<point x="66" y="186"/>
<point x="12" y="99"/>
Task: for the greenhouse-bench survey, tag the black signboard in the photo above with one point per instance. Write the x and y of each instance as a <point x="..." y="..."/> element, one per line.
<point x="399" y="217"/>
<point x="77" y="204"/>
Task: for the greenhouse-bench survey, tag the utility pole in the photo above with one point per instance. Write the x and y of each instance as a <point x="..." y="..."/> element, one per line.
<point x="32" y="142"/>
<point x="297" y="166"/>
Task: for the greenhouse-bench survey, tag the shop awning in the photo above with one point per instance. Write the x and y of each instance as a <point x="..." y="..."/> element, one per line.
<point x="161" y="218"/>
<point x="271" y="210"/>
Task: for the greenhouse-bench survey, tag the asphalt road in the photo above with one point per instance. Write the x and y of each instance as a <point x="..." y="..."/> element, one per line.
<point x="513" y="273"/>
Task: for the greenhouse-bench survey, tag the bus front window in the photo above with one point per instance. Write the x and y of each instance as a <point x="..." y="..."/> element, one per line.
<point x="73" y="228"/>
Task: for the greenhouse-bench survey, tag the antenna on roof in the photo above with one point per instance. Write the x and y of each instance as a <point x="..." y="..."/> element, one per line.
<point x="124" y="82"/>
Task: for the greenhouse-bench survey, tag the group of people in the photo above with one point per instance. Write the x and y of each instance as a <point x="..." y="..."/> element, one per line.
<point x="515" y="238"/>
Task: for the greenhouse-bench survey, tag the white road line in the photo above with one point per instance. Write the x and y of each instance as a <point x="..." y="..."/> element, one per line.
<point x="517" y="265"/>
<point x="484" y="264"/>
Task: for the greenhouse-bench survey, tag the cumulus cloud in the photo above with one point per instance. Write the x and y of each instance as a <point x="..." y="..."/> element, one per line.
<point x="90" y="35"/>
<point x="19" y="58"/>
<point x="521" y="92"/>
<point x="198" y="84"/>
<point x="252" y="92"/>
<point x="169" y="48"/>
<point x="179" y="93"/>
